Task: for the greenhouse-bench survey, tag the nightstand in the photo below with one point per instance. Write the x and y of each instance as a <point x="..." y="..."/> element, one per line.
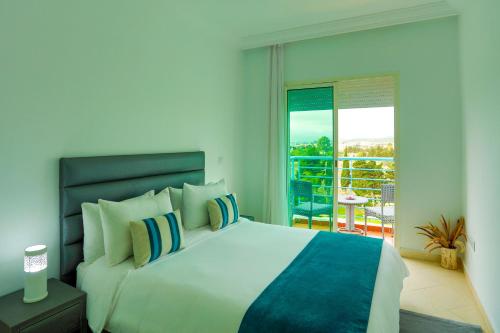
<point x="249" y="217"/>
<point x="62" y="311"/>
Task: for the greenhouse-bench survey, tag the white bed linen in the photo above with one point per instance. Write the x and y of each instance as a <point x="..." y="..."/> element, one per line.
<point x="208" y="286"/>
<point x="102" y="283"/>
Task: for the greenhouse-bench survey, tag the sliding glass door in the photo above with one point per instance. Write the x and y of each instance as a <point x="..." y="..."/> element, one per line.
<point x="341" y="156"/>
<point x="311" y="147"/>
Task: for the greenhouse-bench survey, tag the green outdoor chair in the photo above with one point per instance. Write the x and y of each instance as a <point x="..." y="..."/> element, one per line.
<point x="302" y="202"/>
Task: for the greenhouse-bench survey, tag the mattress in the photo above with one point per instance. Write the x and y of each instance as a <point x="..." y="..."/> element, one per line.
<point x="208" y="286"/>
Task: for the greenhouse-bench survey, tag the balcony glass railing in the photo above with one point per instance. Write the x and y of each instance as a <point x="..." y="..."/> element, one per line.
<point x="362" y="176"/>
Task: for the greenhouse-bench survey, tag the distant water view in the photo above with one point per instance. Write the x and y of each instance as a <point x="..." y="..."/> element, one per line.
<point x="357" y="127"/>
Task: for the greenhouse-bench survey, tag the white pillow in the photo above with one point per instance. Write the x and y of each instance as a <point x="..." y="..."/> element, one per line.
<point x="93" y="239"/>
<point x="194" y="203"/>
<point x="175" y="198"/>
<point x="116" y="217"/>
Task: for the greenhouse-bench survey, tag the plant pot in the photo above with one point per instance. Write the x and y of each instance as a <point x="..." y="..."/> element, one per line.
<point x="449" y="258"/>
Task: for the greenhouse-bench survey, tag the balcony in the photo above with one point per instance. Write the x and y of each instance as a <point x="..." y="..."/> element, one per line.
<point x="362" y="176"/>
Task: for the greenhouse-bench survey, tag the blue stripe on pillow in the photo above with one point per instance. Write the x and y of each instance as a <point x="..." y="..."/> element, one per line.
<point x="235" y="207"/>
<point x="158" y="236"/>
<point x="176" y="236"/>
<point x="223" y="209"/>
<point x="172" y="237"/>
<point x="153" y="238"/>
<point x="174" y="231"/>
<point x="150" y="235"/>
<point x="177" y="233"/>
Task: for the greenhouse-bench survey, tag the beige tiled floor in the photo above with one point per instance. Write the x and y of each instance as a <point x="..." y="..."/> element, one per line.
<point x="435" y="291"/>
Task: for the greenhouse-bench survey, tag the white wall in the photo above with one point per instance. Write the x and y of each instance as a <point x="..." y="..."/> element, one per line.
<point x="96" y="78"/>
<point x="425" y="55"/>
<point x="480" y="67"/>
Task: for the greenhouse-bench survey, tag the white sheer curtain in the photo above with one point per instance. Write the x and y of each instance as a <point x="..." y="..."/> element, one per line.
<point x="275" y="198"/>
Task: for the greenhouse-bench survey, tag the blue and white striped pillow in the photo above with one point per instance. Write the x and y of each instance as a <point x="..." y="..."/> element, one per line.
<point x="156" y="237"/>
<point x="223" y="211"/>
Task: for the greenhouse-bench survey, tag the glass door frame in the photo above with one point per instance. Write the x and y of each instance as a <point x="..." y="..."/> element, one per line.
<point x="331" y="81"/>
<point x="334" y="147"/>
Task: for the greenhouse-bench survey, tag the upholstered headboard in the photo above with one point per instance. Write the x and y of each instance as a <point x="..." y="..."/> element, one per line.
<point x="87" y="179"/>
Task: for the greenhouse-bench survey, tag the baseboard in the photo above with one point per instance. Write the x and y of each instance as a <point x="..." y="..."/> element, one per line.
<point x="486" y="320"/>
<point x="420" y="255"/>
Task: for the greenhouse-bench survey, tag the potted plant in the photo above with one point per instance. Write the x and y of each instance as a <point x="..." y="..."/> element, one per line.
<point x="445" y="238"/>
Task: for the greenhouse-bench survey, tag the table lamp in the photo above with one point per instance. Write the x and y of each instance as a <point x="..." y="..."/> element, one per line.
<point x="35" y="273"/>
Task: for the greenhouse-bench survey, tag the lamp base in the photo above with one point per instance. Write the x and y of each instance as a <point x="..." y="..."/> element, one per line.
<point x="34" y="300"/>
<point x="35" y="286"/>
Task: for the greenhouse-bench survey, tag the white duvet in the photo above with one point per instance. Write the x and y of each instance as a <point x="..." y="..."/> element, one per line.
<point x="208" y="286"/>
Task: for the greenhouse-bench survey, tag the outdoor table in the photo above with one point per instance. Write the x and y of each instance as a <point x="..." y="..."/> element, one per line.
<point x="350" y="205"/>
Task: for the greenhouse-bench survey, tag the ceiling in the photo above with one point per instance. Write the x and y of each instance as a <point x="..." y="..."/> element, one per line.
<point x="252" y="17"/>
<point x="257" y="17"/>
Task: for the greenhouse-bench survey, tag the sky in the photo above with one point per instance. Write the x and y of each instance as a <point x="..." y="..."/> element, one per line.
<point x="366" y="123"/>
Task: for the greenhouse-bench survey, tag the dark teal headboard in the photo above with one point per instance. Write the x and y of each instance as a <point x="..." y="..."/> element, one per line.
<point x="87" y="179"/>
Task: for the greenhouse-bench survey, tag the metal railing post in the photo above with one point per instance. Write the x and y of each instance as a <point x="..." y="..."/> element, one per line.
<point x="350" y="175"/>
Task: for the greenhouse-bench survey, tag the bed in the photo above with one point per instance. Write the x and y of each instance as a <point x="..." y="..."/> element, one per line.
<point x="247" y="277"/>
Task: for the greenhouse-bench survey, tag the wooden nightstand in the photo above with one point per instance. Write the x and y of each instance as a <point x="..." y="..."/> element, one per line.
<point x="62" y="311"/>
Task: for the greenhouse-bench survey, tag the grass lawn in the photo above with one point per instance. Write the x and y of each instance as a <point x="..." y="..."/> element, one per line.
<point x="359" y="215"/>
